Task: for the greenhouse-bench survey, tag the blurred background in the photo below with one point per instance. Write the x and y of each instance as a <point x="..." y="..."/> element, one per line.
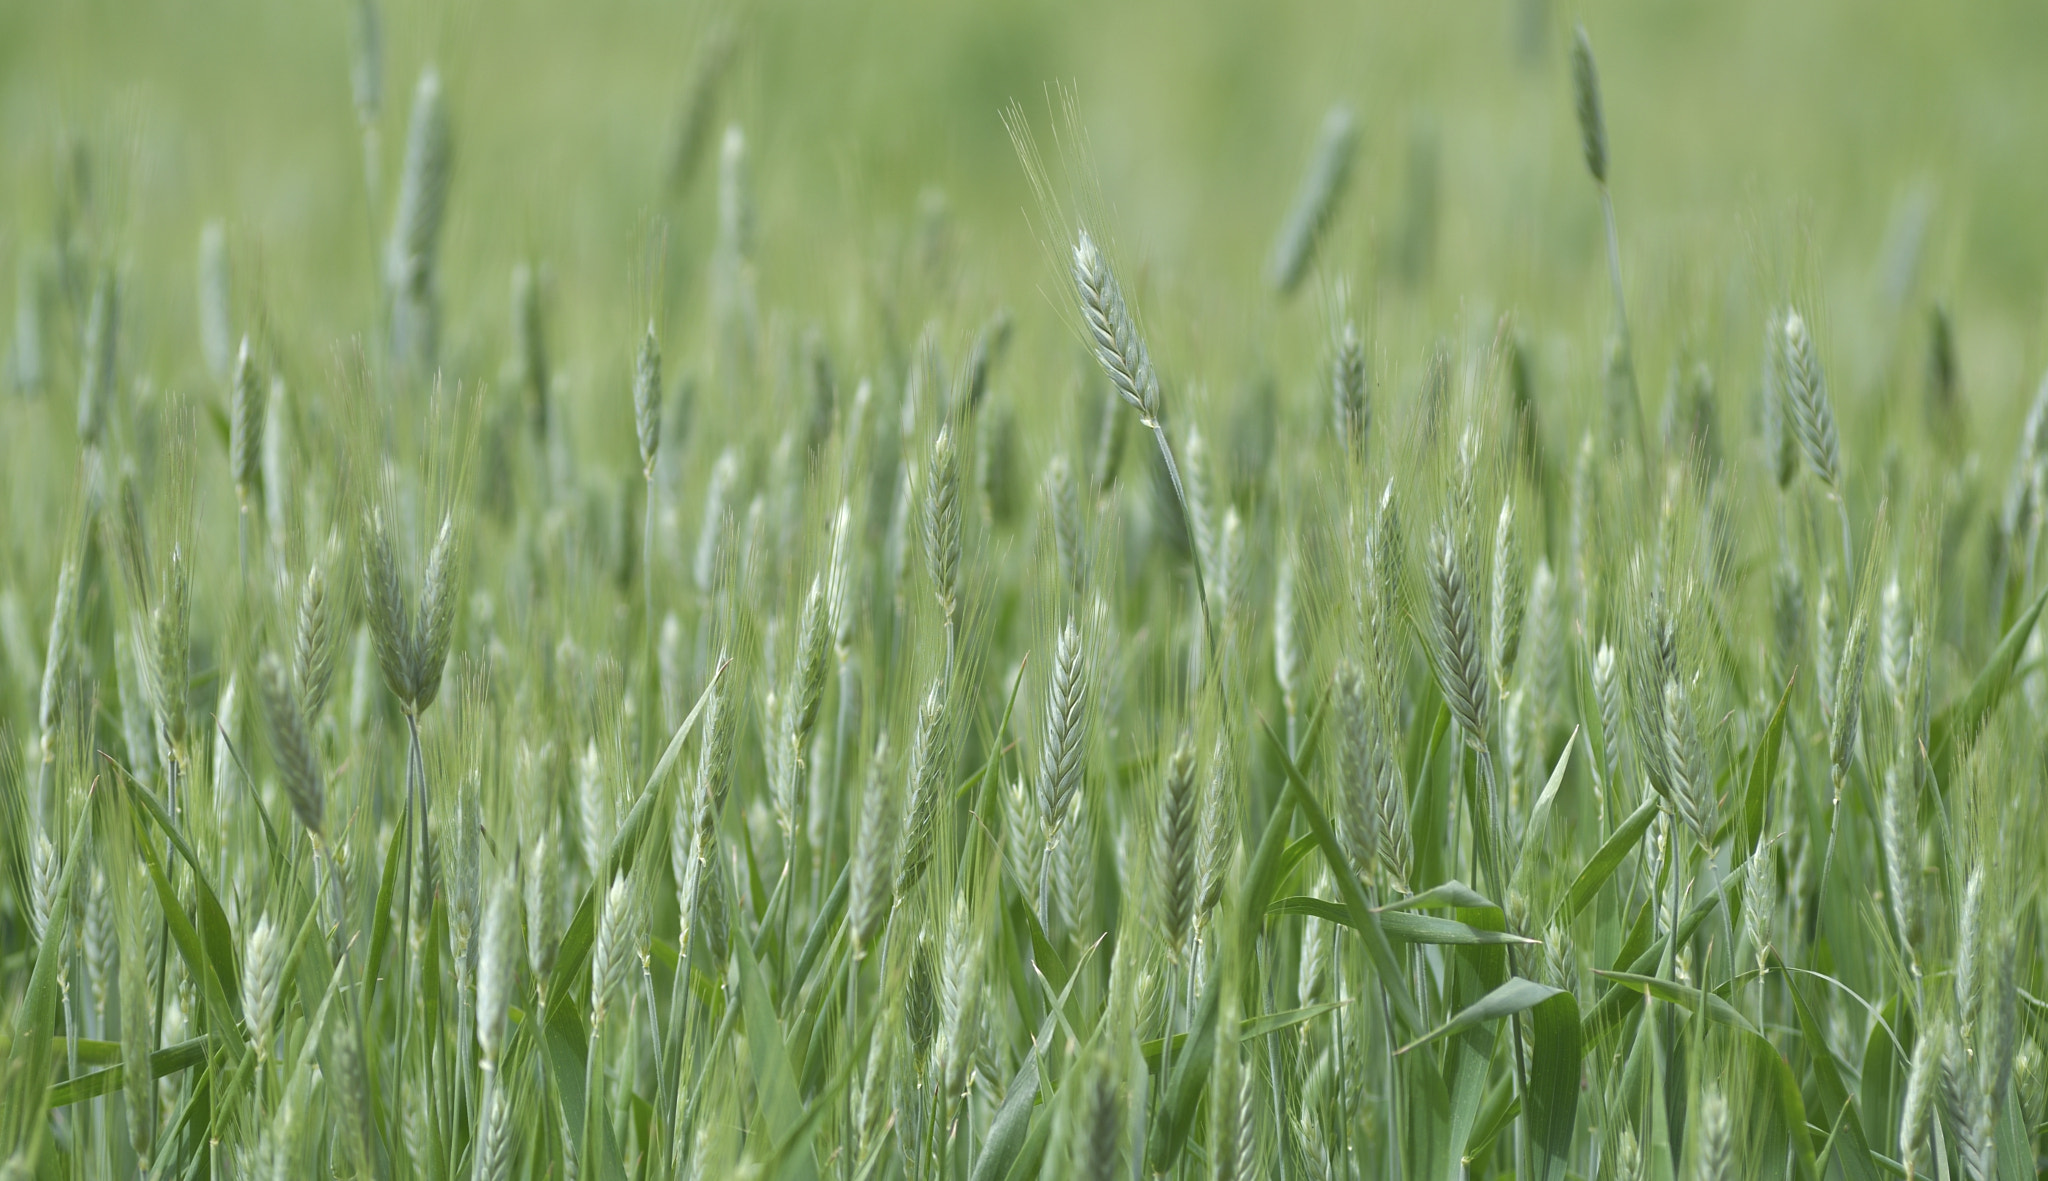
<point x="1876" y="157"/>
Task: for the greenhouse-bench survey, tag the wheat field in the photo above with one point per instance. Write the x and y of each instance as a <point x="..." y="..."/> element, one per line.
<point x="1010" y="591"/>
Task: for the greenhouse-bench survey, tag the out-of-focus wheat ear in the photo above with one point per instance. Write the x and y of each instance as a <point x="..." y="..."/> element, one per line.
<point x="541" y="886"/>
<point x="927" y="791"/>
<point x="57" y="657"/>
<point x="99" y="359"/>
<point x="1848" y="694"/>
<point x="1173" y="848"/>
<point x="1218" y="832"/>
<point x="714" y="750"/>
<point x="1356" y="763"/>
<point x="1113" y="332"/>
<point x="390" y="619"/>
<point x="1114" y="427"/>
<point x="1454" y="637"/>
<point x="1781" y="447"/>
<point x="813" y="663"/>
<point x="1315" y="202"/>
<point x="1947" y="419"/>
<point x="1586" y="103"/>
<point x="868" y="877"/>
<point x="499" y="1135"/>
<point x="718" y="491"/>
<point x="276" y="462"/>
<point x="1895" y="637"/>
<point x="1350" y="394"/>
<point x="298" y="761"/>
<point x="245" y="424"/>
<point x="1195" y="491"/>
<point x="1898" y="815"/>
<point x="1921" y="1081"/>
<point x="1716" y="1151"/>
<point x="959" y="998"/>
<point x="841" y="610"/>
<point x="216" y="321"/>
<point x="1287" y="630"/>
<point x="1069" y="540"/>
<point x="1508" y="596"/>
<point x="495" y="969"/>
<point x="596" y="811"/>
<point x="171" y="650"/>
<point x="422" y="190"/>
<point x="366" y="62"/>
<point x="1692" y="788"/>
<point x="530" y="346"/>
<point x="1969" y="930"/>
<point x="940" y="522"/>
<point x="647" y="399"/>
<point x="1097" y="1145"/>
<point x="988" y="348"/>
<point x="313" y="643"/>
<point x="27" y="369"/>
<point x="735" y="195"/>
<point x="1812" y="416"/>
<point x="700" y="105"/>
<point x="1607" y="695"/>
<point x="97" y="940"/>
<point x="437" y="615"/>
<point x="262" y="973"/>
<point x="1073" y="869"/>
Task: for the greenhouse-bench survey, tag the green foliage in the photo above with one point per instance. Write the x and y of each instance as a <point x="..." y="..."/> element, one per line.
<point x="1424" y="755"/>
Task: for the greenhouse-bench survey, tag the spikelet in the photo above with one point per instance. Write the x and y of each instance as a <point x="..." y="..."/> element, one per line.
<point x="1287" y="645"/>
<point x="1607" y="694"/>
<point x="541" y="884"/>
<point x="1848" y="694"/>
<point x="1921" y="1082"/>
<point x="436" y="628"/>
<point x="959" y="999"/>
<point x="495" y="970"/>
<point x="615" y="947"/>
<point x="928" y="792"/>
<point x="1074" y="870"/>
<point x="1692" y="788"/>
<point x="245" y="425"/>
<point x="1315" y="201"/>
<point x="647" y="400"/>
<point x="1508" y="596"/>
<point x="411" y="255"/>
<point x="1898" y="814"/>
<point x="1173" y="848"/>
<point x="262" y="973"/>
<point x="313" y="643"/>
<point x="57" y="657"/>
<point x="1586" y="102"/>
<point x="1113" y="332"/>
<point x="390" y="619"/>
<point x="725" y="474"/>
<point x="1812" y="414"/>
<point x="1454" y="638"/>
<point x="868" y="877"/>
<point x="939" y="522"/>
<point x="298" y="761"/>
<point x="1715" y="1160"/>
<point x="594" y="811"/>
<point x="1061" y="754"/>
